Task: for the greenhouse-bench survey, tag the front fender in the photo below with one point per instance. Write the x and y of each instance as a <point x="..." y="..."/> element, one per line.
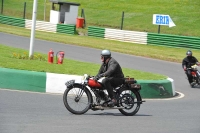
<point x="70" y="83"/>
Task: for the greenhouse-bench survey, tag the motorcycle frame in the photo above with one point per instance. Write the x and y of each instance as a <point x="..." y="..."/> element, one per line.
<point x="90" y="89"/>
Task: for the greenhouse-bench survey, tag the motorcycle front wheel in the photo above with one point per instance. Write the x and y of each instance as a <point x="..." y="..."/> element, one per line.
<point x="131" y="101"/>
<point x="77" y="99"/>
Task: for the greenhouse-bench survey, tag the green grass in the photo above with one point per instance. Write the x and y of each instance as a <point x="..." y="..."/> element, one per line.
<point x="138" y="13"/>
<point x="16" y="58"/>
<point x="157" y="52"/>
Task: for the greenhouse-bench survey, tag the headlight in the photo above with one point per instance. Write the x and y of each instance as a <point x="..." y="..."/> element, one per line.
<point x="84" y="78"/>
<point x="194" y="67"/>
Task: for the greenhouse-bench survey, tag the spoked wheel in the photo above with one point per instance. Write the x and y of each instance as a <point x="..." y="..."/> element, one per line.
<point x="130" y="100"/>
<point x="77" y="99"/>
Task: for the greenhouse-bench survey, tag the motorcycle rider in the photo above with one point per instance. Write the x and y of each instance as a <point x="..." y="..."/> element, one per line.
<point x="112" y="71"/>
<point x="187" y="62"/>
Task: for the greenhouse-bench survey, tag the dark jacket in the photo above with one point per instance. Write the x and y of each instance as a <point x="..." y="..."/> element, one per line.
<point x="111" y="69"/>
<point x="188" y="62"/>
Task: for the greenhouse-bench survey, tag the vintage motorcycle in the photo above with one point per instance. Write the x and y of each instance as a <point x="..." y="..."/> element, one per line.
<point x="195" y="74"/>
<point x="78" y="98"/>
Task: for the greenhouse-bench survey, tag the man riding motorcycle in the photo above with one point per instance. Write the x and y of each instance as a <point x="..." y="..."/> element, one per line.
<point x="187" y="62"/>
<point x="111" y="70"/>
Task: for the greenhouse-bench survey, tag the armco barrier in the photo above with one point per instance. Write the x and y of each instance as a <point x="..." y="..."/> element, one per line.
<point x="173" y="40"/>
<point x="126" y="36"/>
<point x="67" y="29"/>
<point x="111" y="34"/>
<point x="145" y="38"/>
<point x="40" y="25"/>
<point x="55" y="83"/>
<point x="96" y="31"/>
<point x="12" y="21"/>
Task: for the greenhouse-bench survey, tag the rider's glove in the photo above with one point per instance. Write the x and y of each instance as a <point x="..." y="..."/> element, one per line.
<point x="98" y="77"/>
<point x="184" y="68"/>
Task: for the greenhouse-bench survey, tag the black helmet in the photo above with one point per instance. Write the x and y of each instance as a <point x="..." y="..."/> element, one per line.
<point x="106" y="53"/>
<point x="189" y="53"/>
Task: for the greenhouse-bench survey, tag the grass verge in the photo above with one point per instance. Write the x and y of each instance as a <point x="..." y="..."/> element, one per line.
<point x="15" y="58"/>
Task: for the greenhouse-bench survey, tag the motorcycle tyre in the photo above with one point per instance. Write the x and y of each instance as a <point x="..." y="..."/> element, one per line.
<point x="88" y="94"/>
<point x="138" y="98"/>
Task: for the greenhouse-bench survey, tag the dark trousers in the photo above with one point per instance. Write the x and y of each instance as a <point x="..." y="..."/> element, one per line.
<point x="111" y="82"/>
<point x="189" y="76"/>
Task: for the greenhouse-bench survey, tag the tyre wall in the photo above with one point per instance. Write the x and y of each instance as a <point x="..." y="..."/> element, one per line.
<point x="55" y="83"/>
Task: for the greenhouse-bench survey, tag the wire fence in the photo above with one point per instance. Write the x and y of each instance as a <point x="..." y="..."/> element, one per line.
<point x="24" y="10"/>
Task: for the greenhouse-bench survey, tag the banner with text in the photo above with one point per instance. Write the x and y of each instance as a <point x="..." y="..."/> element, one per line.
<point x="159" y="19"/>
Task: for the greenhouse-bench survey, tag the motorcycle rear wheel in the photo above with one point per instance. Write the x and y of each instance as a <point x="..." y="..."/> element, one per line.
<point x="77" y="99"/>
<point x="130" y="100"/>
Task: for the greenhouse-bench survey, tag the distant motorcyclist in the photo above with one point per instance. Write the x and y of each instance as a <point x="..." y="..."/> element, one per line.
<point x="112" y="71"/>
<point x="187" y="62"/>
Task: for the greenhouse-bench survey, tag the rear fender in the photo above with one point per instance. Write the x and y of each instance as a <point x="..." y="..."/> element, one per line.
<point x="134" y="90"/>
<point x="137" y="93"/>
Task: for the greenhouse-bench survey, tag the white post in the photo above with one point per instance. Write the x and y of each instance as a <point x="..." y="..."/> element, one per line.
<point x="44" y="9"/>
<point x="34" y="15"/>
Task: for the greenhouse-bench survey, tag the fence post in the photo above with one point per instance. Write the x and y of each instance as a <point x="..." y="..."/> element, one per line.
<point x="83" y="15"/>
<point x="24" y="10"/>
<point x="2" y="7"/>
<point x="44" y="10"/>
<point x="158" y="29"/>
<point x="122" y="20"/>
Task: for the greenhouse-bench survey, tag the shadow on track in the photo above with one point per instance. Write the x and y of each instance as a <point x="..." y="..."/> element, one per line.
<point x="116" y="114"/>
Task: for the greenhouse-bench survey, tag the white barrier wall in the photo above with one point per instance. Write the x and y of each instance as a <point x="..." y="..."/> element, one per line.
<point x="126" y="36"/>
<point x="55" y="83"/>
<point x="41" y="25"/>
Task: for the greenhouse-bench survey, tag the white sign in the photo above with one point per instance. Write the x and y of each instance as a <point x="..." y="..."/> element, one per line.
<point x="159" y="19"/>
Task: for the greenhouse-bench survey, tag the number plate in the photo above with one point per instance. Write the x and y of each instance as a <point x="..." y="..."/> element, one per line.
<point x="69" y="83"/>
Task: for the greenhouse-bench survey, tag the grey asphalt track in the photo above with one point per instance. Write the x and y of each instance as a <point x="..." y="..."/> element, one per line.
<point x="24" y="112"/>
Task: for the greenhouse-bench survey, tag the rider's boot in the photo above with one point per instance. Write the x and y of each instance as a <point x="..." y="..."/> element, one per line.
<point x="112" y="103"/>
<point x="192" y="84"/>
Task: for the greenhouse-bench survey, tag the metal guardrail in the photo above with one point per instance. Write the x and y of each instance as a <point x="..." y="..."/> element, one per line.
<point x="12" y="21"/>
<point x="96" y="31"/>
<point x="173" y="40"/>
<point x="68" y="29"/>
<point x="41" y="25"/>
<point x="126" y="36"/>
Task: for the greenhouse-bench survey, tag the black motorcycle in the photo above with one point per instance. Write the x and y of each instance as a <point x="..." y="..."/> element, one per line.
<point x="78" y="98"/>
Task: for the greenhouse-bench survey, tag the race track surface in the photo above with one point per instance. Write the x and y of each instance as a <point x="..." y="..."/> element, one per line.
<point x="25" y="112"/>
